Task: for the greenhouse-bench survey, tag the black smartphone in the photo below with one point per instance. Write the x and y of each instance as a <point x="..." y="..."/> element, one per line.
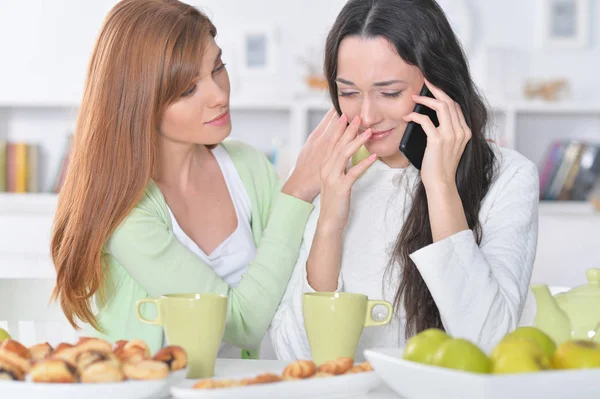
<point x="414" y="140"/>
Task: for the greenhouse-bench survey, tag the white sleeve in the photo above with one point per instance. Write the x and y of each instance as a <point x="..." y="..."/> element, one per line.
<point x="480" y="290"/>
<point x="287" y="332"/>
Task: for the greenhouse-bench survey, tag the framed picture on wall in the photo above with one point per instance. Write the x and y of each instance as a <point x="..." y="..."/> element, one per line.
<point x="564" y="23"/>
<point x="258" y="51"/>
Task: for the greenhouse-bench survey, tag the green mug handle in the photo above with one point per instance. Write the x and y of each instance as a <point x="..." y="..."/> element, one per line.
<point x="369" y="322"/>
<point x="138" y="304"/>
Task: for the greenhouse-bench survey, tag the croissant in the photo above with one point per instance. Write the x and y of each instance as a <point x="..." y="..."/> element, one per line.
<point x="173" y="356"/>
<point x="103" y="371"/>
<point x="118" y="347"/>
<point x="134" y="351"/>
<point x="67" y="353"/>
<point x="62" y="346"/>
<point x="88" y="358"/>
<point x="337" y="366"/>
<point x="300" y="369"/>
<point x="93" y="344"/>
<point x="15" y="347"/>
<point x="146" y="370"/>
<point x="215" y="384"/>
<point x="15" y="360"/>
<point x="266" y="378"/>
<point x="40" y="351"/>
<point x="9" y="372"/>
<point x="361" y="368"/>
<point x="322" y="374"/>
<point x="54" y="370"/>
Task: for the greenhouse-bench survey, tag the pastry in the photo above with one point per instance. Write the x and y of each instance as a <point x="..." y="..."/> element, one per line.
<point x="322" y="374"/>
<point x="9" y="372"/>
<point x="146" y="370"/>
<point x="300" y="369"/>
<point x="173" y="356"/>
<point x="361" y="368"/>
<point x="266" y="378"/>
<point x="40" y="351"/>
<point x="53" y="370"/>
<point x="93" y="344"/>
<point x="13" y="358"/>
<point x="62" y="346"/>
<point x="118" y="347"/>
<point x="67" y="353"/>
<point x="88" y="358"/>
<point x="215" y="384"/>
<point x="337" y="366"/>
<point x="134" y="351"/>
<point x="70" y="354"/>
<point x="15" y="347"/>
<point x="102" y="371"/>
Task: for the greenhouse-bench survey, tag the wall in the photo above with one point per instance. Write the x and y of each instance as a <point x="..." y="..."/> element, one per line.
<point x="45" y="46"/>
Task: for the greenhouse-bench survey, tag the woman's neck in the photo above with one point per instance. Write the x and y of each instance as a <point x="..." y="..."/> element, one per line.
<point x="396" y="161"/>
<point x="179" y="163"/>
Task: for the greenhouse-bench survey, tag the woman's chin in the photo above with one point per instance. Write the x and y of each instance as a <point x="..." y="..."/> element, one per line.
<point x="382" y="149"/>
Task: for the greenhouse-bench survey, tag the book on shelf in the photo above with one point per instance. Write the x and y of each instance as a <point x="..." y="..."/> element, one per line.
<point x="18" y="167"/>
<point x="570" y="171"/>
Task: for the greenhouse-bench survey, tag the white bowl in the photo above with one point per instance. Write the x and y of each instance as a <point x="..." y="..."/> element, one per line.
<point x="412" y="380"/>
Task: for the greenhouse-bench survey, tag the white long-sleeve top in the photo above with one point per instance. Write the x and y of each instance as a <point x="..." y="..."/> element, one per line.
<point x="480" y="290"/>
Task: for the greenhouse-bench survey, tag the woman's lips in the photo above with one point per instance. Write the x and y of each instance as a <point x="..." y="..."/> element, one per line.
<point x="220" y="120"/>
<point x="376" y="136"/>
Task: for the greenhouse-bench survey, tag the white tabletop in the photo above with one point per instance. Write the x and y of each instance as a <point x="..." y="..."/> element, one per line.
<point x="228" y="367"/>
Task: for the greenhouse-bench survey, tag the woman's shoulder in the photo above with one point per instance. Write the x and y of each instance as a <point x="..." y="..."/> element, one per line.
<point x="253" y="166"/>
<point x="513" y="171"/>
<point x="243" y="152"/>
<point x="511" y="162"/>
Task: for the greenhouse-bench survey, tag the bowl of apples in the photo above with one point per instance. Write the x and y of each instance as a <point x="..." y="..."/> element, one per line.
<point x="526" y="363"/>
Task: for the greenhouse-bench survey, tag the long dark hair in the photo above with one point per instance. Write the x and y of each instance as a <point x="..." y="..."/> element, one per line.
<point x="422" y="36"/>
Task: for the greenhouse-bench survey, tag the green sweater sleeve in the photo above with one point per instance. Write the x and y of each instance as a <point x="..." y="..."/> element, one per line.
<point x="148" y="250"/>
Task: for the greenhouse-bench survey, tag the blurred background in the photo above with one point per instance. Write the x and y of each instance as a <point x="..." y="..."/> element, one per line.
<point x="536" y="61"/>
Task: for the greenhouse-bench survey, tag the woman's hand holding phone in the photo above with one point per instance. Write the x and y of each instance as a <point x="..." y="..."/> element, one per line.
<point x="446" y="143"/>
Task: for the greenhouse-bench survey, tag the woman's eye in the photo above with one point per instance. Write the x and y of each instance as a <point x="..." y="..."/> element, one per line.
<point x="346" y="94"/>
<point x="189" y="91"/>
<point x="219" y="68"/>
<point x="392" y="95"/>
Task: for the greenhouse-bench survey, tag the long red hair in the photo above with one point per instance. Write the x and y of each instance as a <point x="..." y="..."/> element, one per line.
<point x="147" y="53"/>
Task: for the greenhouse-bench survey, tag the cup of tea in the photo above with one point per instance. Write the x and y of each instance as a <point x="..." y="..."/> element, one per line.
<point x="334" y="322"/>
<point x="196" y="322"/>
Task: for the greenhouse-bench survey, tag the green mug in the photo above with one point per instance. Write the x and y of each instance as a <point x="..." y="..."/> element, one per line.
<point x="196" y="322"/>
<point x="334" y="322"/>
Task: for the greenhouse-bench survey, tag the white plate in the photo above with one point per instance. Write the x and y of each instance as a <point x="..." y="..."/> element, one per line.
<point x="118" y="390"/>
<point x="414" y="381"/>
<point x="338" y="386"/>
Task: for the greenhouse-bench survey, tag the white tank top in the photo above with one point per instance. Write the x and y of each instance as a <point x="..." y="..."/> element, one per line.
<point x="230" y="259"/>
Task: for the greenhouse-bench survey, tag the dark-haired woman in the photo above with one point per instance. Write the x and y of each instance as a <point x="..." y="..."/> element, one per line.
<point x="452" y="245"/>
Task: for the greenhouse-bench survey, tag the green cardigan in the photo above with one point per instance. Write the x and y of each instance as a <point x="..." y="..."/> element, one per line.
<point x="146" y="260"/>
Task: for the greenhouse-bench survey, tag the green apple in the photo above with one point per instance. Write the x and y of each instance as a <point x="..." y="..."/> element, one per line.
<point x="544" y="341"/>
<point x="516" y="343"/>
<point x="359" y="155"/>
<point x="423" y="346"/>
<point x="4" y="335"/>
<point x="520" y="362"/>
<point x="461" y="354"/>
<point x="577" y="354"/>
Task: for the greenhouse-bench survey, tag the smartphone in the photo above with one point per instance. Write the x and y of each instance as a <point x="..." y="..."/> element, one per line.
<point x="414" y="140"/>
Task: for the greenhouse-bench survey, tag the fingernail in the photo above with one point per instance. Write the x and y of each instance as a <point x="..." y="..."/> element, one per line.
<point x="366" y="132"/>
<point x="372" y="157"/>
<point x="343" y="119"/>
<point x="355" y="120"/>
<point x="415" y="96"/>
